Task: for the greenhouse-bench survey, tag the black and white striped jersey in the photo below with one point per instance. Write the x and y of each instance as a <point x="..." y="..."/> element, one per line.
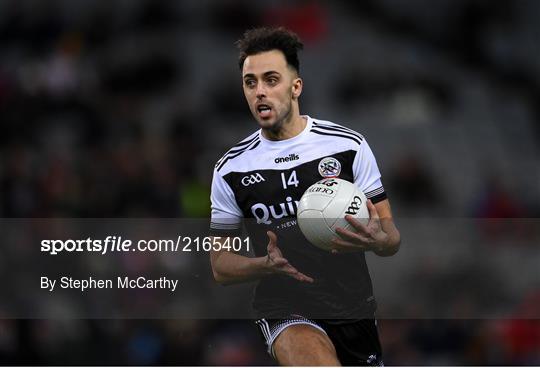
<point x="259" y="182"/>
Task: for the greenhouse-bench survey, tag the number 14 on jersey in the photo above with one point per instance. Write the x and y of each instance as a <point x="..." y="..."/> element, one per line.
<point x="292" y="180"/>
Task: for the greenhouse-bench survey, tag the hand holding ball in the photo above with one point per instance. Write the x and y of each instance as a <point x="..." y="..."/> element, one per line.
<point x="323" y="208"/>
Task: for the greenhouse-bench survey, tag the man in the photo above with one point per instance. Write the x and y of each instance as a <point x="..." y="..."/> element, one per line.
<point x="313" y="304"/>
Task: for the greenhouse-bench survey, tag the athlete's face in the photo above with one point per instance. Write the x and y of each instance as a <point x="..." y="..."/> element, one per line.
<point x="271" y="88"/>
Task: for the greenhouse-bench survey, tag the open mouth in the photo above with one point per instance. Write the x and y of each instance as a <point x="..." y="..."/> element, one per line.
<point x="264" y="110"/>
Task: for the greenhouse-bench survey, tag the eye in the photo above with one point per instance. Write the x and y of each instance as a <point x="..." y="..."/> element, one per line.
<point x="250" y="83"/>
<point x="272" y="81"/>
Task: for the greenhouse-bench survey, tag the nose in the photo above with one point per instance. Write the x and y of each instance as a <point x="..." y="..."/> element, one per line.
<point x="261" y="91"/>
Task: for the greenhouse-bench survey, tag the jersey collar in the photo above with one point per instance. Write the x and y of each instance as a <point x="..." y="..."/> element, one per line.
<point x="288" y="141"/>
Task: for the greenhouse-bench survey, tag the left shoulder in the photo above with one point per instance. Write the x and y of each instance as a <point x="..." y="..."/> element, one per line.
<point x="336" y="131"/>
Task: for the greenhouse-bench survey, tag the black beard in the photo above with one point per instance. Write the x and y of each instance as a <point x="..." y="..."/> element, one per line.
<point x="281" y="121"/>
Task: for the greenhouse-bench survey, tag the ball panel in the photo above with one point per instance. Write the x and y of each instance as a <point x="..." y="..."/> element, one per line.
<point x="340" y="203"/>
<point x="313" y="201"/>
<point x="315" y="228"/>
<point x="323" y="208"/>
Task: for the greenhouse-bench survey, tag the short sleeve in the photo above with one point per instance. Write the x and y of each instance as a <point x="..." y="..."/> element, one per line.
<point x="367" y="175"/>
<point x="226" y="215"/>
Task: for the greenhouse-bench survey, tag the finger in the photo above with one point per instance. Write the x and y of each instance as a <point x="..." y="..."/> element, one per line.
<point x="289" y="269"/>
<point x="301" y="277"/>
<point x="351" y="236"/>
<point x="373" y="213"/>
<point x="340" y="245"/>
<point x="293" y="272"/>
<point x="272" y="240"/>
<point x="279" y="262"/>
<point x="345" y="250"/>
<point x="357" y="225"/>
<point x="304" y="278"/>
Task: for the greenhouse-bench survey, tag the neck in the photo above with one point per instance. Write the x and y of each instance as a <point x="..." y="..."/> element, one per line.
<point x="289" y="128"/>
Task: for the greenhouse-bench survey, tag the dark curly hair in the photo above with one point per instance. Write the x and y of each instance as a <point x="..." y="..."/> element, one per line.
<point x="263" y="39"/>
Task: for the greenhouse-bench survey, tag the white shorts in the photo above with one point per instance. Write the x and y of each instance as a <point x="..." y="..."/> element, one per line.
<point x="271" y="328"/>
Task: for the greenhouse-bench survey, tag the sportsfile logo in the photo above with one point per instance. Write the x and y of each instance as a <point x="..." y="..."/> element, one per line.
<point x="252" y="179"/>
<point x="291" y="157"/>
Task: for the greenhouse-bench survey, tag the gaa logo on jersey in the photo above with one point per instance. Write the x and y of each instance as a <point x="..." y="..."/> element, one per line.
<point x="252" y="179"/>
<point x="329" y="167"/>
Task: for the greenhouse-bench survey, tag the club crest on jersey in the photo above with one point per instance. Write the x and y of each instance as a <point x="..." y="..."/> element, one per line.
<point x="329" y="167"/>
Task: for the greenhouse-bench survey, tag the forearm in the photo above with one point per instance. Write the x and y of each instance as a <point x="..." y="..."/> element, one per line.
<point x="230" y="268"/>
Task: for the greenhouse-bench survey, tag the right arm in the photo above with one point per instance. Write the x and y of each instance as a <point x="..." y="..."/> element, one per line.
<point x="228" y="267"/>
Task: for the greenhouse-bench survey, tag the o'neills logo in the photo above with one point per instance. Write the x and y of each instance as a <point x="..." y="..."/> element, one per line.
<point x="291" y="157"/>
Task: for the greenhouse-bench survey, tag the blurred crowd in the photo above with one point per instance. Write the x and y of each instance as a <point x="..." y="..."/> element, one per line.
<point x="121" y="109"/>
<point x="237" y="343"/>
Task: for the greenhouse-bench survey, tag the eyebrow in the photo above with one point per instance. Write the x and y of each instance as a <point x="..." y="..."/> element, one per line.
<point x="266" y="74"/>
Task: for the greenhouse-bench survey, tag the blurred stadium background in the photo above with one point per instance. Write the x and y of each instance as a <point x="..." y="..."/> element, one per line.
<point x="121" y="108"/>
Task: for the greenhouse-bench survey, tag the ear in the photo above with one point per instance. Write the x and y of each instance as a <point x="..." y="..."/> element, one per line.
<point x="297" y="88"/>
